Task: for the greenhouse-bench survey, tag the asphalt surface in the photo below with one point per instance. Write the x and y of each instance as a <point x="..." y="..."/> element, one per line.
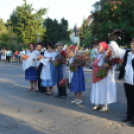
<point x="29" y="112"/>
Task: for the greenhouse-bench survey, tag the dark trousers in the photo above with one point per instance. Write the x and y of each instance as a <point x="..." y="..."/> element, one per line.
<point x="61" y="90"/>
<point x="40" y="88"/>
<point x="8" y="58"/>
<point x="129" y="90"/>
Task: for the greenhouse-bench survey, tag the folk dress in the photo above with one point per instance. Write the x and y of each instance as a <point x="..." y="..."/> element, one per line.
<point x="51" y="81"/>
<point x="31" y="73"/>
<point x="77" y="79"/>
<point x="103" y="89"/>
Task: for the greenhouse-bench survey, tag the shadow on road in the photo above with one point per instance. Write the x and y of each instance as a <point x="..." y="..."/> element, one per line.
<point x="10" y="125"/>
<point x="116" y="113"/>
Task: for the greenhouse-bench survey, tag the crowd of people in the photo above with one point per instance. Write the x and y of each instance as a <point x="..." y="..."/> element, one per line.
<point x="10" y="56"/>
<point x="44" y="75"/>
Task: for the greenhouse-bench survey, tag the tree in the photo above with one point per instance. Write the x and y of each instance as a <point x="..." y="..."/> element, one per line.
<point x="88" y="39"/>
<point x="114" y="14"/>
<point x="3" y="28"/>
<point x="82" y="31"/>
<point x="4" y="40"/>
<point x="26" y="24"/>
<point x="55" y="31"/>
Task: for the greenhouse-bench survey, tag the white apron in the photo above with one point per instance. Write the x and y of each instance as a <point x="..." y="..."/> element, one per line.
<point x="104" y="91"/>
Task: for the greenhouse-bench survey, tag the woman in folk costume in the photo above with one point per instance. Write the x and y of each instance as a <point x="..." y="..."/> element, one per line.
<point x="103" y="89"/>
<point x="48" y="70"/>
<point x="76" y="79"/>
<point x="61" y="73"/>
<point x="126" y="74"/>
<point x="30" y="67"/>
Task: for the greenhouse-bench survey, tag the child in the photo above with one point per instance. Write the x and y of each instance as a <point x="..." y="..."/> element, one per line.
<point x="76" y="79"/>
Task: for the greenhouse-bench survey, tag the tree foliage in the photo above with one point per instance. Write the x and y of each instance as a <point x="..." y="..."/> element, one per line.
<point x="3" y="28"/>
<point x="55" y="31"/>
<point x="112" y="15"/>
<point x="26" y="24"/>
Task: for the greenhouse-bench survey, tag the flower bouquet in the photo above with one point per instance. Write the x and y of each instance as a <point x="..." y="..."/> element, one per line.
<point x="56" y="64"/>
<point x="72" y="67"/>
<point x="109" y="60"/>
<point x="64" y="82"/>
<point x="61" y="57"/>
<point x="80" y="59"/>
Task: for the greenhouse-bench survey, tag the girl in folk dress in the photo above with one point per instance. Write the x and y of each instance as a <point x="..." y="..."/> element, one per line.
<point x="49" y="82"/>
<point x="103" y="89"/>
<point x="31" y="72"/>
<point x="76" y="80"/>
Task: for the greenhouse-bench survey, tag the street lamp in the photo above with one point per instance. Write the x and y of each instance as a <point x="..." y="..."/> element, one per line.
<point x="38" y="39"/>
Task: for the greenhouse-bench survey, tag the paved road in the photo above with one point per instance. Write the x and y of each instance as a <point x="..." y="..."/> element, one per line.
<point x="28" y="112"/>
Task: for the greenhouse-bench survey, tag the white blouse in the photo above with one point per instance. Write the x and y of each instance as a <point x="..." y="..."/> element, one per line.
<point x="101" y="57"/>
<point x="30" y="62"/>
<point x="129" y="73"/>
<point x="46" y="72"/>
<point x="33" y="55"/>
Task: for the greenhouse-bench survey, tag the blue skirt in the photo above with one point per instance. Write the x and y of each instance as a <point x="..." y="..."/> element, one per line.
<point x="31" y="74"/>
<point x="52" y="81"/>
<point x="59" y="73"/>
<point x="78" y="81"/>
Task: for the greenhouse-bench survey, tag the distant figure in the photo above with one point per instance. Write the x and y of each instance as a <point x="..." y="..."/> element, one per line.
<point x="3" y="55"/>
<point x="9" y="55"/>
<point x="21" y="53"/>
<point x="91" y="53"/>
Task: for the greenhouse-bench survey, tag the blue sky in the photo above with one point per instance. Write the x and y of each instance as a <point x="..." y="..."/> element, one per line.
<point x="72" y="10"/>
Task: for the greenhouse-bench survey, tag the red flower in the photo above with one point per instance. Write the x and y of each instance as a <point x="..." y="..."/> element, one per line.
<point x="63" y="53"/>
<point x="114" y="61"/>
<point x="80" y="57"/>
<point x="109" y="53"/>
<point x="62" y="82"/>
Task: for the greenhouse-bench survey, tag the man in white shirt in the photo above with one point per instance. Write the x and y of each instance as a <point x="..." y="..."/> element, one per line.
<point x="40" y="48"/>
<point x="127" y="75"/>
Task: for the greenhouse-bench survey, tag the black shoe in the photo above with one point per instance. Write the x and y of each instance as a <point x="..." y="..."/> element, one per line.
<point x="127" y="119"/>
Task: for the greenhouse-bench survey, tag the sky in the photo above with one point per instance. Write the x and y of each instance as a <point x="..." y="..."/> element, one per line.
<point x="72" y="10"/>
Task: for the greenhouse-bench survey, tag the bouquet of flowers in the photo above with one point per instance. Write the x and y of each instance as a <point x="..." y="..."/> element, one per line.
<point x="56" y="64"/>
<point x="111" y="60"/>
<point x="81" y="58"/>
<point x="61" y="57"/>
<point x="64" y="82"/>
<point x="72" y="67"/>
